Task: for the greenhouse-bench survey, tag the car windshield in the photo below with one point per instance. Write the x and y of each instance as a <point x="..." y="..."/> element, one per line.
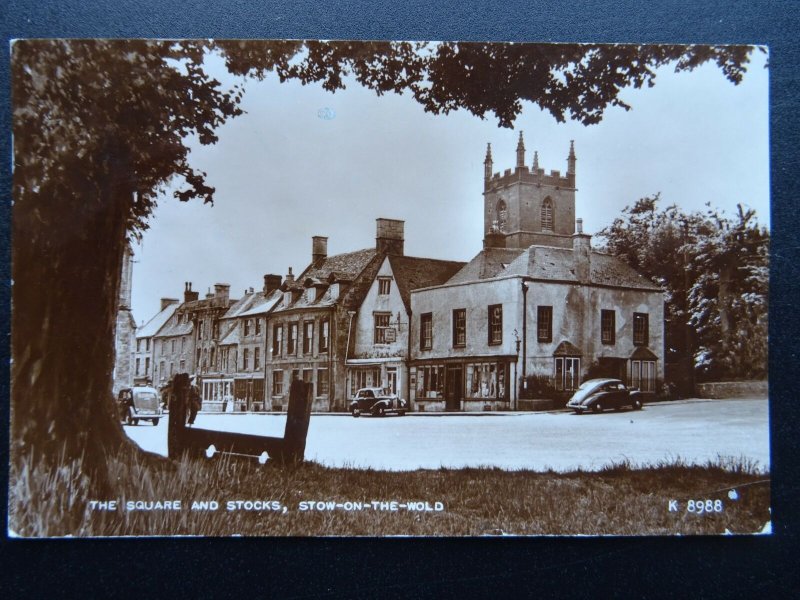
<point x="587" y="388"/>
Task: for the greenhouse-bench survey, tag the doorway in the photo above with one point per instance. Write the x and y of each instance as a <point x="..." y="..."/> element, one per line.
<point x="454" y="389"/>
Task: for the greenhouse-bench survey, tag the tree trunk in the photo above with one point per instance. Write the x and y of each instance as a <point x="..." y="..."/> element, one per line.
<point x="66" y="269"/>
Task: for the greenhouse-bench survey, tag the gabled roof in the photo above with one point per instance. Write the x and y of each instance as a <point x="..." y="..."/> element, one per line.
<point x="174" y="327"/>
<point x="241" y="305"/>
<point x="412" y="273"/>
<point x="231" y="337"/>
<point x="153" y="326"/>
<point x="356" y="267"/>
<point x="262" y="305"/>
<point x="345" y="266"/>
<point x="548" y="263"/>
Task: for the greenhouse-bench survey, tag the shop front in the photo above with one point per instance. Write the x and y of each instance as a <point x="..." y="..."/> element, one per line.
<point x="216" y="394"/>
<point x="384" y="373"/>
<point x="469" y="384"/>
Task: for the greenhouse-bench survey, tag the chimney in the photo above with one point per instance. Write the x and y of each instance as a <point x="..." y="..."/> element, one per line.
<point x="271" y="283"/>
<point x="582" y="253"/>
<point x="389" y="236"/>
<point x="165" y="302"/>
<point x="188" y="294"/>
<point x="222" y="291"/>
<point x="319" y="249"/>
<point x="289" y="277"/>
<point x="209" y="295"/>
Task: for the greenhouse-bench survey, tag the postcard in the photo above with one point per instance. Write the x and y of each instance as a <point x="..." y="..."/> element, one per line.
<point x="339" y="288"/>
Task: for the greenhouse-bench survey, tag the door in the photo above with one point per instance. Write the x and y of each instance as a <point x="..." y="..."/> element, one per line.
<point x="454" y="391"/>
<point x="391" y="379"/>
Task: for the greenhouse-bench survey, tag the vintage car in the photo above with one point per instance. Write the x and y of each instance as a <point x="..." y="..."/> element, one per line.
<point x="599" y="394"/>
<point x="139" y="403"/>
<point x="377" y="402"/>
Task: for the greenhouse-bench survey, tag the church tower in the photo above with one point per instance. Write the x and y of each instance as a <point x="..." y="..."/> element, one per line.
<point x="525" y="207"/>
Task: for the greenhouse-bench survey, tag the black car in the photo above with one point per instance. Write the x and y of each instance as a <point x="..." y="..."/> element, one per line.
<point x="376" y="402"/>
<point x="599" y="394"/>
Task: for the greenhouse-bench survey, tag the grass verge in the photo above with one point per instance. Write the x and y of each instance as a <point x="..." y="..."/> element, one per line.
<point x="726" y="496"/>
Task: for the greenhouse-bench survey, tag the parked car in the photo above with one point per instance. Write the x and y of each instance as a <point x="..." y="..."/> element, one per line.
<point x="139" y="403"/>
<point x="599" y="394"/>
<point x="376" y="402"/>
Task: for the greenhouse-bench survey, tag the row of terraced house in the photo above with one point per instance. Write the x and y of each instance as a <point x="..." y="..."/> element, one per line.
<point x="536" y="300"/>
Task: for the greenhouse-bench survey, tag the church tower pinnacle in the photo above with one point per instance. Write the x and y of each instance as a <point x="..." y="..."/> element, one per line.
<point x="520" y="152"/>
<point x="487" y="163"/>
<point x="571" y="158"/>
<point x="535" y="161"/>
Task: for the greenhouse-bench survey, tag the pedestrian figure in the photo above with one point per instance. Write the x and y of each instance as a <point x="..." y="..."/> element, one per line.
<point x="194" y="403"/>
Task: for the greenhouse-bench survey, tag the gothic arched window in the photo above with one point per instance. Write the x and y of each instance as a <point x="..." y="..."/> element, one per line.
<point x="501" y="215"/>
<point x="547" y="215"/>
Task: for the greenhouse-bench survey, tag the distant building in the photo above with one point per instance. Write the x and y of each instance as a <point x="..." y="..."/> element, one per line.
<point x="537" y="300"/>
<point x="146" y="368"/>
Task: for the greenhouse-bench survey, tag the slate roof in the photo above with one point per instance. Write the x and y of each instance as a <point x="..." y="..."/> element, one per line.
<point x="547" y="263"/>
<point x="262" y="305"/>
<point x="411" y="273"/>
<point x="488" y="263"/>
<point x="152" y="327"/>
<point x="232" y="337"/>
<point x="354" y="267"/>
<point x="173" y="328"/>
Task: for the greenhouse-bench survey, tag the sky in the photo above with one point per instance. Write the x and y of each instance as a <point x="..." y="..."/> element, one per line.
<point x="303" y="162"/>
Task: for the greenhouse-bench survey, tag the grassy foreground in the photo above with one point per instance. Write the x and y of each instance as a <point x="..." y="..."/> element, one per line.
<point x="268" y="501"/>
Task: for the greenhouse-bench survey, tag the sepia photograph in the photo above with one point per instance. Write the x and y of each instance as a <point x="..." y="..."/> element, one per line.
<point x="317" y="288"/>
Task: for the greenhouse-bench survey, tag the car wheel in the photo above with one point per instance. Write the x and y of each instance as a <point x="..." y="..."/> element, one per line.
<point x="129" y="419"/>
<point x="597" y="407"/>
<point x="379" y="411"/>
<point x="637" y="404"/>
<point x="136" y="421"/>
<point x="355" y="411"/>
<point x="402" y="413"/>
<point x="155" y="422"/>
<point x="578" y="412"/>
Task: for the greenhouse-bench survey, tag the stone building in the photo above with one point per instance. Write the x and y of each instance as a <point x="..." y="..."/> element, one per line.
<point x="537" y="300"/>
<point x="125" y="328"/>
<point x="173" y="344"/>
<point x="146" y="368"/>
<point x="379" y="349"/>
<point x="242" y="347"/>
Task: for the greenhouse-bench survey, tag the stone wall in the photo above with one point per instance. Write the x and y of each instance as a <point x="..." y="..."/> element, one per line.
<point x="733" y="389"/>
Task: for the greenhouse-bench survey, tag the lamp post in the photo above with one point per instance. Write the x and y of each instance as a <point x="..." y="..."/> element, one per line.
<point x="524" y="331"/>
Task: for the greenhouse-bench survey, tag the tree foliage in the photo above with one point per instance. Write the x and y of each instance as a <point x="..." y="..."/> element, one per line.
<point x="715" y="272"/>
<point x="102" y="126"/>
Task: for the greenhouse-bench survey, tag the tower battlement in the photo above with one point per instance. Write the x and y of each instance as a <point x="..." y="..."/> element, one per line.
<point x="526" y="205"/>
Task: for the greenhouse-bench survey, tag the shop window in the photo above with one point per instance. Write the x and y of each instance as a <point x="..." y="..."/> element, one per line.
<point x="430" y="381"/>
<point x="486" y="380"/>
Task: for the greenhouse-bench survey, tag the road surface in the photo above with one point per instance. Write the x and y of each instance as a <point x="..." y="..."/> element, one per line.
<point x="695" y="431"/>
